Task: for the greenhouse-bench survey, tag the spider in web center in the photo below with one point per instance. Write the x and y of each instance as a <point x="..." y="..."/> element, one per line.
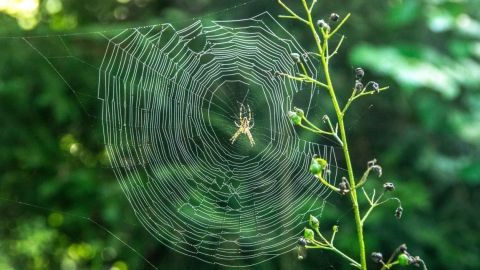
<point x="245" y="117"/>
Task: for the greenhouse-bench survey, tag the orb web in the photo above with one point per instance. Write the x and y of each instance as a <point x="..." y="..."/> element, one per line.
<point x="170" y="100"/>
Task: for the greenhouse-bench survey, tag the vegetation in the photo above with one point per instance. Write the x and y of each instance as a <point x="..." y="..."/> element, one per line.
<point x="322" y="34"/>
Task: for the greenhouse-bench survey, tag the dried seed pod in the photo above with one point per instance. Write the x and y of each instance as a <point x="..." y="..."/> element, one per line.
<point x="389" y="186"/>
<point x="343" y="186"/>
<point x="334" y="17"/>
<point x="398" y="212"/>
<point x="323" y="25"/>
<point x="358" y="86"/>
<point x="377" y="257"/>
<point x="359" y="73"/>
<point x="302" y="242"/>
<point x="377" y="169"/>
<point x="376" y="87"/>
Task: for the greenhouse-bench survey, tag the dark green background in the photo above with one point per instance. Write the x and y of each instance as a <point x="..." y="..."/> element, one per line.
<point x="61" y="207"/>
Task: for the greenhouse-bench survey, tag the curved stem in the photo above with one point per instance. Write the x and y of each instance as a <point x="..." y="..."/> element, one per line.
<point x="326" y="183"/>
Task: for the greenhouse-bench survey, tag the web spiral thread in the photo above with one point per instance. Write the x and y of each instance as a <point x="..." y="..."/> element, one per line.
<point x="170" y="100"/>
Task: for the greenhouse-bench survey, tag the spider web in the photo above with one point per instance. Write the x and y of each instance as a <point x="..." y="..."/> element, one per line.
<point x="170" y="99"/>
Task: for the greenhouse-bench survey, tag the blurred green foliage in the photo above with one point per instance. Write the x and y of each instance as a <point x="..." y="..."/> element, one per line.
<point x="61" y="207"/>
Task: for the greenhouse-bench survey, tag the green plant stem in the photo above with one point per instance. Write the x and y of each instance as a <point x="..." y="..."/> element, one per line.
<point x="343" y="135"/>
<point x="373" y="203"/>
<point x="329" y="246"/>
<point x="326" y="183"/>
<point x="315" y="129"/>
<point x="376" y="202"/>
<point x="352" y="261"/>
<point x="361" y="94"/>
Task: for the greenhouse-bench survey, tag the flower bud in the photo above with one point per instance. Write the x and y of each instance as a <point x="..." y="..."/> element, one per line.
<point x="295" y="57"/>
<point x="377" y="257"/>
<point x="334" y="17"/>
<point x="317" y="165"/>
<point x="295" y="118"/>
<point x="403" y="259"/>
<point x="314" y="223"/>
<point x="308" y="234"/>
<point x="315" y="168"/>
<point x="299" y="112"/>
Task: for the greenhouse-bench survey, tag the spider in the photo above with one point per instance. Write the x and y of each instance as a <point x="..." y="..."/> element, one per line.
<point x="244" y="126"/>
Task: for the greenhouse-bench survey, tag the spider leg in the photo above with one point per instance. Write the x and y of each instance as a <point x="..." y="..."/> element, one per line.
<point x="236" y="124"/>
<point x="249" y="113"/>
<point x="241" y="112"/>
<point x="235" y="136"/>
<point x="250" y="137"/>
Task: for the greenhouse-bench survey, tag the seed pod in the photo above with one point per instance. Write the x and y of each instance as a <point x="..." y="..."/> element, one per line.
<point x="399" y="212"/>
<point x="359" y="73"/>
<point x="358" y="86"/>
<point x="302" y="242"/>
<point x="308" y="234"/>
<point x="295" y="118"/>
<point x="389" y="186"/>
<point x="378" y="169"/>
<point x="315" y="168"/>
<point x="377" y="257"/>
<point x="323" y="25"/>
<point x="343" y="186"/>
<point x="334" y="17"/>
<point x="376" y="87"/>
<point x="314" y="223"/>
